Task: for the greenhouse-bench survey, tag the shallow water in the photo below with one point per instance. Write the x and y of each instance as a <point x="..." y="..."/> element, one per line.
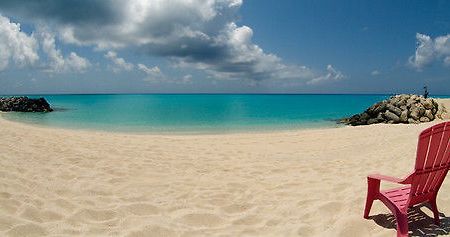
<point x="196" y="112"/>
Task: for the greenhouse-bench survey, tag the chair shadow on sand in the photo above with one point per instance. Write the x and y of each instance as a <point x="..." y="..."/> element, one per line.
<point x="420" y="224"/>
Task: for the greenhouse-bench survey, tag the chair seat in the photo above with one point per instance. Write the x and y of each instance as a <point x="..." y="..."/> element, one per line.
<point x="398" y="196"/>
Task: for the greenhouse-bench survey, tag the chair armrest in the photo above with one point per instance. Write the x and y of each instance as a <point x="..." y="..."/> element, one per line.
<point x="388" y="178"/>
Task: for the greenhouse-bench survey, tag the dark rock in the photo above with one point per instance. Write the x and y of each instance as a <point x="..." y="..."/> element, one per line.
<point x="372" y="121"/>
<point x="414" y="113"/>
<point x="404" y="116"/>
<point x="398" y="109"/>
<point x="377" y="108"/>
<point x="424" y="119"/>
<point x="428" y="104"/>
<point x="391" y="116"/>
<point x="24" y="104"/>
<point x="429" y="114"/>
<point x="412" y="121"/>
<point x="364" y="116"/>
<point x="394" y="109"/>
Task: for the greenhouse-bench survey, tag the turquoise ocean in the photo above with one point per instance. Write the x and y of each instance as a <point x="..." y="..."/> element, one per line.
<point x="196" y="113"/>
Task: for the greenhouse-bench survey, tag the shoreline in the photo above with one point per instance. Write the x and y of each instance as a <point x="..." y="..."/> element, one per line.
<point x="168" y="133"/>
<point x="177" y="133"/>
<point x="250" y="130"/>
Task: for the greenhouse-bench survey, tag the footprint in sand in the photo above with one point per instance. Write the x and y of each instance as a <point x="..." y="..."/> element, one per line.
<point x="306" y="230"/>
<point x="7" y="223"/>
<point x="27" y="230"/>
<point x="326" y="213"/>
<point x="351" y="226"/>
<point x="237" y="208"/>
<point x="151" y="231"/>
<point x="9" y="205"/>
<point x="248" y="220"/>
<point x="5" y="195"/>
<point x="33" y="214"/>
<point x="64" y="204"/>
<point x="330" y="208"/>
<point x="202" y="220"/>
<point x="95" y="215"/>
<point x="142" y="209"/>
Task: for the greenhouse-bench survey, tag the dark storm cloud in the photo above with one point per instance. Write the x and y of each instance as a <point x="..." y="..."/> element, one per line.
<point x="64" y="12"/>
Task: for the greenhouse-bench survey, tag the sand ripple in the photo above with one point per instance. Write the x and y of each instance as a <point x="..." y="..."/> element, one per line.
<point x="301" y="183"/>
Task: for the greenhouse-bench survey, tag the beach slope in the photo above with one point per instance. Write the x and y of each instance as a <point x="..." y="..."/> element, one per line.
<point x="299" y="183"/>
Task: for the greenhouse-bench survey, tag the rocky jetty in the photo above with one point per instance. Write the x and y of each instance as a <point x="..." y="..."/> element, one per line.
<point x="24" y="104"/>
<point x="399" y="109"/>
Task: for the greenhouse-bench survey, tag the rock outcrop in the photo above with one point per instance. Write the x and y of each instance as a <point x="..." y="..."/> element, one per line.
<point x="24" y="104"/>
<point x="398" y="109"/>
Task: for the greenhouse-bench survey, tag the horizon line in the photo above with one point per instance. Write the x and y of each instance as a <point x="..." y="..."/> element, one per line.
<point x="207" y="93"/>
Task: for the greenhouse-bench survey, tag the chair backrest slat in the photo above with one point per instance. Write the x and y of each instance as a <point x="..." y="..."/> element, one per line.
<point x="432" y="158"/>
<point x="446" y="152"/>
<point x="432" y="162"/>
<point x="422" y="149"/>
<point x="442" y="159"/>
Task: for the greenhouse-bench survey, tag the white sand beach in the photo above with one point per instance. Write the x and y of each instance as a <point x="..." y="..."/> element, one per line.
<point x="59" y="182"/>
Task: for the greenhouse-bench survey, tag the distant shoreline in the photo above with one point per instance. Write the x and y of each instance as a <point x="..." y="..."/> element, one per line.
<point x="368" y="94"/>
<point x="269" y="128"/>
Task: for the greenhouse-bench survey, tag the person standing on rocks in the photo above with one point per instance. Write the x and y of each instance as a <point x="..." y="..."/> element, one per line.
<point x="425" y="94"/>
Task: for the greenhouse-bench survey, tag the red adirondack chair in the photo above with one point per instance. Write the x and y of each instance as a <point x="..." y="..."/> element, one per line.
<point x="422" y="185"/>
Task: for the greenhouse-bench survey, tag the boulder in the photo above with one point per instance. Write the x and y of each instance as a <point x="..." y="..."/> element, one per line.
<point x="428" y="104"/>
<point x="399" y="109"/>
<point x="429" y="114"/>
<point x="391" y="116"/>
<point x="414" y="113"/>
<point x="394" y="109"/>
<point x="24" y="104"/>
<point x="424" y="119"/>
<point x="412" y="121"/>
<point x="372" y="121"/>
<point x="404" y="116"/>
<point x="376" y="108"/>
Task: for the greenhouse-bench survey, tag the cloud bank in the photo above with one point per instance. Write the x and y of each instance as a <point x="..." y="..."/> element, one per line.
<point x="119" y="63"/>
<point x="201" y="34"/>
<point x="332" y="75"/>
<point x="430" y="50"/>
<point x="23" y="50"/>
<point x="15" y="45"/>
<point x="57" y="62"/>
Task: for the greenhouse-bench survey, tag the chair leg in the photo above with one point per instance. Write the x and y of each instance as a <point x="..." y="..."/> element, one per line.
<point x="402" y="224"/>
<point x="435" y="211"/>
<point x="369" y="202"/>
<point x="373" y="188"/>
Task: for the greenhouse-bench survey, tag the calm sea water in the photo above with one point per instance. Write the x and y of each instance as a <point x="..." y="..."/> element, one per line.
<point x="196" y="113"/>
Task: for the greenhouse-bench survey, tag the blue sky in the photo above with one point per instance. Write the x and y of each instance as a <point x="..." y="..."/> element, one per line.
<point x="224" y="46"/>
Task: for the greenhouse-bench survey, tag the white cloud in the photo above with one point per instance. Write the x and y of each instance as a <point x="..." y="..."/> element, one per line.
<point x="77" y="63"/>
<point x="202" y="34"/>
<point x="118" y="24"/>
<point x="119" y="63"/>
<point x="243" y="59"/>
<point x="15" y="45"/>
<point x="429" y="50"/>
<point x="375" y="73"/>
<point x="154" y="74"/>
<point x="332" y="75"/>
<point x="150" y="71"/>
<point x="57" y="63"/>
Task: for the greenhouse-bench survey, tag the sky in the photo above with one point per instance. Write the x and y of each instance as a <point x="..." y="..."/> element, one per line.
<point x="224" y="46"/>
